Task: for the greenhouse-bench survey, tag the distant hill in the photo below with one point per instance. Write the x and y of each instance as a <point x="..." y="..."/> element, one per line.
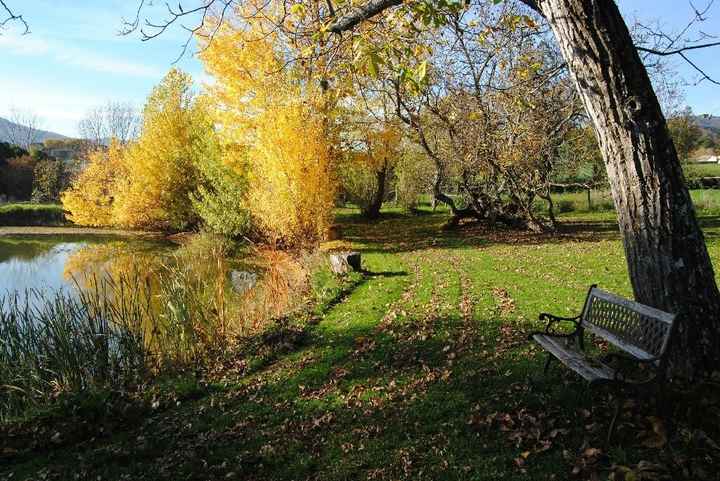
<point x="708" y="122"/>
<point x="42" y="135"/>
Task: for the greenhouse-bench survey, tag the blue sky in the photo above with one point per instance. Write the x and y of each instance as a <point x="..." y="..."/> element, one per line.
<point x="74" y="59"/>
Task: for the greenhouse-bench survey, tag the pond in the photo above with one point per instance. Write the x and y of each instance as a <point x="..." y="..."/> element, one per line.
<point x="50" y="264"/>
<point x="249" y="286"/>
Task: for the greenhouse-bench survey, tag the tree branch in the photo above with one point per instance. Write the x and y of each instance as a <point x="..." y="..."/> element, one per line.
<point x="150" y="30"/>
<point x="678" y="50"/>
<point x="10" y="17"/>
<point x="362" y="13"/>
<point x="375" y="7"/>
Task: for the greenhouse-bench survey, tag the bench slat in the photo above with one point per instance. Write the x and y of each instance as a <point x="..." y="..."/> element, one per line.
<point x="613" y="339"/>
<point x="587" y="368"/>
<point x="632" y="305"/>
<point x="637" y="329"/>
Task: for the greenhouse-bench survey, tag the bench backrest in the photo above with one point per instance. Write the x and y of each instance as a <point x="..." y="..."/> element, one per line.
<point x="639" y="330"/>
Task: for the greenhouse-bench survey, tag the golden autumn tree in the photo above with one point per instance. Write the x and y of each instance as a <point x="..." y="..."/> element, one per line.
<point x="89" y="200"/>
<point x="372" y="153"/>
<point x="281" y="118"/>
<point x="161" y="167"/>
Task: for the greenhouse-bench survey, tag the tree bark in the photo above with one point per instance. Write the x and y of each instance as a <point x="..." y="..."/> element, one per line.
<point x="372" y="211"/>
<point x="666" y="254"/>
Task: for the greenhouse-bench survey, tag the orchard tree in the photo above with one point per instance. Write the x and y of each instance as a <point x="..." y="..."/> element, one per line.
<point x="685" y="133"/>
<point x="372" y="140"/>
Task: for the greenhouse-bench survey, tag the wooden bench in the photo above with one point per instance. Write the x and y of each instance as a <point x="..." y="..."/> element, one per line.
<point x="639" y="334"/>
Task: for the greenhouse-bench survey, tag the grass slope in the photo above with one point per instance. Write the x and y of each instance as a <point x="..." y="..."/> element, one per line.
<point x="31" y="215"/>
<point x="416" y="369"/>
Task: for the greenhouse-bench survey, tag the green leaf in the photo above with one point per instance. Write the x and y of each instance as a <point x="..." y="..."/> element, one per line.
<point x="374" y="62"/>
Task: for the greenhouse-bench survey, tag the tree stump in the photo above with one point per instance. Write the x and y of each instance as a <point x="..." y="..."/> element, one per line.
<point x="243" y="281"/>
<point x="344" y="262"/>
<point x="334" y="232"/>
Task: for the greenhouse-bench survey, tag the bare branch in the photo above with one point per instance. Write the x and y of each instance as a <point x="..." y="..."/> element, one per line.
<point x="11" y="17"/>
<point x="150" y="30"/>
<point x="678" y="50"/>
<point x="665" y="45"/>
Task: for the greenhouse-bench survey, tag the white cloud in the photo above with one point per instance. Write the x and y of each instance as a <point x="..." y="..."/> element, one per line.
<point x="58" y="113"/>
<point x="33" y="45"/>
<point x="23" y="44"/>
<point x="97" y="63"/>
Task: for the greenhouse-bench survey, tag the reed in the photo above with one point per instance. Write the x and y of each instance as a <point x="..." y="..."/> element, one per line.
<point x="71" y="342"/>
<point x="114" y="332"/>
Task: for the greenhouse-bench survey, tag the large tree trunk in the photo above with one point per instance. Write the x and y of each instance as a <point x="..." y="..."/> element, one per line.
<point x="372" y="211"/>
<point x="665" y="249"/>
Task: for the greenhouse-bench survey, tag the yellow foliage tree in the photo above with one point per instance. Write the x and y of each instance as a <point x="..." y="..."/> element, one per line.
<point x="283" y="120"/>
<point x="89" y="200"/>
<point x="292" y="184"/>
<point x="369" y="162"/>
<point x="161" y="167"/>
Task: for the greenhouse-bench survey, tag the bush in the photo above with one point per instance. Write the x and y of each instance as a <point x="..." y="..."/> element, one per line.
<point x="16" y="178"/>
<point x="413" y="175"/>
<point x="31" y="214"/>
<point x="603" y="206"/>
<point x="220" y="198"/>
<point x="89" y="200"/>
<point x="49" y="180"/>
<point x="564" y="206"/>
<point x="292" y="189"/>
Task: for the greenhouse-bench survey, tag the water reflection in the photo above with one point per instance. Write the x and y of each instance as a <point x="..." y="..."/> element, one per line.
<point x="193" y="281"/>
<point x="56" y="263"/>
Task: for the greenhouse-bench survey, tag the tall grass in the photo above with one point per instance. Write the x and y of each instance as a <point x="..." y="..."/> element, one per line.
<point x="62" y="343"/>
<point x="118" y="329"/>
<point x="114" y="332"/>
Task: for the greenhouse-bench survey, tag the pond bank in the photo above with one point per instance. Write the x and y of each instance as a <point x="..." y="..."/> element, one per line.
<point x="40" y="230"/>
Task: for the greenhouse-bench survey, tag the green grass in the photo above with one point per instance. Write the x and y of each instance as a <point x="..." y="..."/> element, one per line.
<point x="31" y="215"/>
<point x="701" y="170"/>
<point x="416" y="369"/>
<point x="570" y="204"/>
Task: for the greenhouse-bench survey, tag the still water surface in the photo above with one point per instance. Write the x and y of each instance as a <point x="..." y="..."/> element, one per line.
<point x="57" y="263"/>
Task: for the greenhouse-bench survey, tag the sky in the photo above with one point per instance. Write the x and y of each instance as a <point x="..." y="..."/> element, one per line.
<point x="74" y="60"/>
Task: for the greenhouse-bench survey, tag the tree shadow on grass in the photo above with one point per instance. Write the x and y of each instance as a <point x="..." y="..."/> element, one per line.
<point x="384" y="402"/>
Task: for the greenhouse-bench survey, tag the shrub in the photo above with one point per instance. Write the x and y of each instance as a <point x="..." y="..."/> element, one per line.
<point x="162" y="165"/>
<point x="16" y="177"/>
<point x="49" y="180"/>
<point x="221" y="198"/>
<point x="564" y="206"/>
<point x="90" y="198"/>
<point x="292" y="188"/>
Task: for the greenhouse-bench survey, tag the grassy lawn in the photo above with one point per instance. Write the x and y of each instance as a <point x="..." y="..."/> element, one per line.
<point x="701" y="170"/>
<point x="416" y="369"/>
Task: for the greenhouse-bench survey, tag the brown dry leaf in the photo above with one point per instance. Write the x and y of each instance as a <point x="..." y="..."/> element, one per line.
<point x="657" y="438"/>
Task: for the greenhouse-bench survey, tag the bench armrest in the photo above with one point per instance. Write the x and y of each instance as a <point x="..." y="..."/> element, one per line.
<point x="552" y="319"/>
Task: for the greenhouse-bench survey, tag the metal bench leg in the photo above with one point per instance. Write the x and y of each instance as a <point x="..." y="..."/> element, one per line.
<point x="547" y="364"/>
<point x="616" y="415"/>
